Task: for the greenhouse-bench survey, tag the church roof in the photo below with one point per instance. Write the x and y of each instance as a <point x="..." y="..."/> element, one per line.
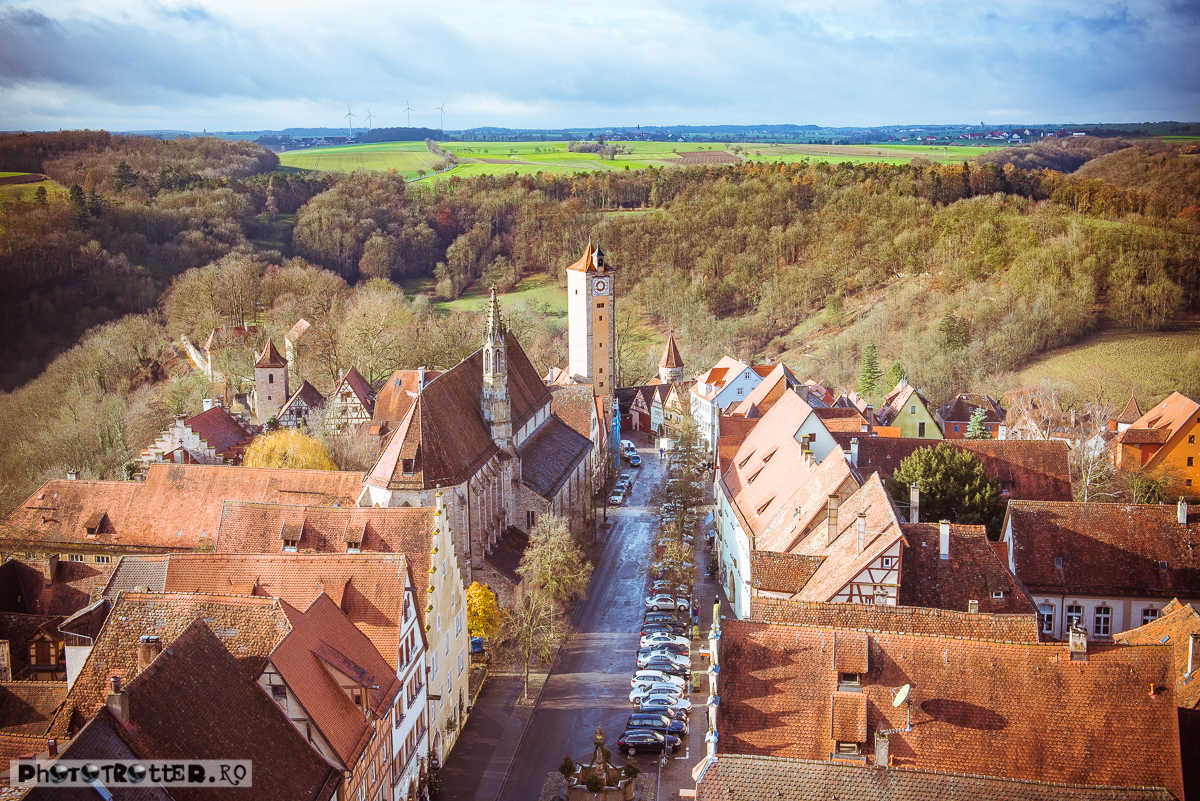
<point x="270" y="357"/>
<point x="671" y="357"/>
<point x="593" y="260"/>
<point x="444" y="432"/>
<point x="397" y="394"/>
<point x="550" y="456"/>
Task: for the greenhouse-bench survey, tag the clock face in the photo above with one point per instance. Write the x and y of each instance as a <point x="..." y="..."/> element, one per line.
<point x="601" y="286"/>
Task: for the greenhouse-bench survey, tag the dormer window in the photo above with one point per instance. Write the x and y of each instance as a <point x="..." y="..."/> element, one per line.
<point x="407" y="466"/>
<point x="767" y="458"/>
<point x="846" y="749"/>
<point x="997" y="595"/>
<point x="849" y="682"/>
<point x="290" y="546"/>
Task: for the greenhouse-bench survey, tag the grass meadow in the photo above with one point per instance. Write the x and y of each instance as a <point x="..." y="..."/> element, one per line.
<point x="542" y="293"/>
<point x="27" y="192"/>
<point x="403" y="157"/>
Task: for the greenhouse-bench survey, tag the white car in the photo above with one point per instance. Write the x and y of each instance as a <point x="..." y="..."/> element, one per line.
<point x="668" y="700"/>
<point x="663" y="601"/>
<point x="654" y="677"/>
<point x="679" y="660"/>
<point x="662" y="638"/>
<point x="639" y="694"/>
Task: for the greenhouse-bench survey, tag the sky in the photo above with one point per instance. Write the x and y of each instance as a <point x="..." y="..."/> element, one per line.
<point x="233" y="65"/>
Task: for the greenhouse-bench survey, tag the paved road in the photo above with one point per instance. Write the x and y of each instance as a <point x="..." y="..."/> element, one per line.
<point x="590" y="685"/>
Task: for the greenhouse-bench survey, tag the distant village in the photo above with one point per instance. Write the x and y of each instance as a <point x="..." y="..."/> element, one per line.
<point x="316" y="622"/>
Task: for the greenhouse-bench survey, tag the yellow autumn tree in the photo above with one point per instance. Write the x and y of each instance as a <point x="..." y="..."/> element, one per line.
<point x="483" y="615"/>
<point x="288" y="448"/>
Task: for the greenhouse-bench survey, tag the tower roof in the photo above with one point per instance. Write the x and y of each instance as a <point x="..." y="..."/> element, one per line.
<point x="270" y="357"/>
<point x="493" y="327"/>
<point x="671" y="357"/>
<point x="593" y="260"/>
<point x="1131" y="413"/>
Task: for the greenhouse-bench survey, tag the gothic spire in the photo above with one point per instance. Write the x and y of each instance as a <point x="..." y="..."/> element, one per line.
<point x="493" y="330"/>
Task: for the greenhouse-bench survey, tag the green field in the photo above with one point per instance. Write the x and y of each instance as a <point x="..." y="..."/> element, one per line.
<point x="403" y="157"/>
<point x="27" y="192"/>
<point x="540" y="292"/>
<point x="1111" y="363"/>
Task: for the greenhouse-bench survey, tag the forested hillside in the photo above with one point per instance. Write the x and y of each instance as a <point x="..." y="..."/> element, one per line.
<point x="960" y="272"/>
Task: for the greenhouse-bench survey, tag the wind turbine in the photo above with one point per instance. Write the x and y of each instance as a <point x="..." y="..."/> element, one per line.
<point x="442" y="124"/>
<point x="350" y="119"/>
<point x="369" y="118"/>
<point x="408" y="113"/>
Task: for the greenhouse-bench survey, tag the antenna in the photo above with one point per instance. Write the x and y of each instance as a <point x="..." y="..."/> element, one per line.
<point x="442" y="124"/>
<point x="350" y="119"/>
<point x="408" y="109"/>
<point x="901" y="695"/>
<point x="369" y="118"/>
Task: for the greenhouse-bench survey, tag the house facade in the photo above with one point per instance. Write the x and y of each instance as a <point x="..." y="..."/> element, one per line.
<point x="726" y="383"/>
<point x="1164" y="442"/>
<point x="905" y="409"/>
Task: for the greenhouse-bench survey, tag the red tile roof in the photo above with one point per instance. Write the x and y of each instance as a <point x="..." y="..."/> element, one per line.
<point x="807" y="507"/>
<point x="222" y="432"/>
<point x="896" y="619"/>
<point x="1105" y="548"/>
<point x="27" y="707"/>
<point x="321" y="637"/>
<point x="444" y="431"/>
<point x="74" y="584"/>
<point x="173" y="509"/>
<point x="575" y="405"/>
<point x="506" y="554"/>
<point x="550" y="456"/>
<point x="270" y="357"/>
<point x="592" y="261"/>
<point x="307" y="393"/>
<point x="1021" y="711"/>
<point x="767" y="393"/>
<point x="398" y="393"/>
<point x="972" y="573"/>
<point x="193" y="703"/>
<point x="731" y="433"/>
<point x="965" y="404"/>
<point x="782" y="572"/>
<point x="1035" y="470"/>
<point x="758" y="778"/>
<point x="17" y="628"/>
<point x="842" y="420"/>
<point x="671" y="357"/>
<point x="1131" y="413"/>
<point x="1177" y="626"/>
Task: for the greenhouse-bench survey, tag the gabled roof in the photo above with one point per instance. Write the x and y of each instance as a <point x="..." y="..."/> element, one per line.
<point x="74" y="584"/>
<point x="807" y="505"/>
<point x="974" y="572"/>
<point x="896" y="619"/>
<point x="965" y="404"/>
<point x="731" y="433"/>
<point x="1177" y="626"/>
<point x="27" y="707"/>
<point x="782" y="572"/>
<point x="354" y="381"/>
<point x="270" y="357"/>
<point x="1035" y="470"/>
<point x="398" y="393"/>
<point x="550" y="455"/>
<point x="196" y="704"/>
<point x="221" y="431"/>
<point x="768" y="391"/>
<point x="250" y="628"/>
<point x="225" y="336"/>
<point x="308" y="394"/>
<point x="1015" y="710"/>
<point x="842" y="559"/>
<point x="1104" y="548"/>
<point x="1131" y="413"/>
<point x="444" y="431"/>
<point x="323" y="637"/>
<point x="1161" y="423"/>
<point x="671" y="357"/>
<point x="175" y="507"/>
<point x="16" y="628"/>
<point x="895" y="401"/>
<point x="575" y="405"/>
<point x="505" y="555"/>
<point x="592" y="261"/>
<point x="710" y="383"/>
<point x="738" y="776"/>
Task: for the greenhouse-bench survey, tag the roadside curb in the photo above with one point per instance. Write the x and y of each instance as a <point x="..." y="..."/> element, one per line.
<point x="528" y="724"/>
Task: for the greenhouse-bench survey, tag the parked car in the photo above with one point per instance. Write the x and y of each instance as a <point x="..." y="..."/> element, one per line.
<point x="664" y="601"/>
<point x="615" y="499"/>
<point x="673" y="713"/>
<point x="654" y="677"/>
<point x="659" y="723"/>
<point x="665" y="587"/>
<point x="656" y="691"/>
<point x="664" y="648"/>
<point x="670" y="669"/>
<point x="664" y="638"/>
<point x="664" y="658"/>
<point x="672" y="700"/>
<point x="635" y="460"/>
<point x="674" y="629"/>
<point x="647" y="741"/>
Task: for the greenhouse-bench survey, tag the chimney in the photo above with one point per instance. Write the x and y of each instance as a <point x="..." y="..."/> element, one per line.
<point x="420" y="379"/>
<point x="72" y="474"/>
<point x="854" y="452"/>
<point x="207" y="404"/>
<point x="52" y="747"/>
<point x="118" y="702"/>
<point x="944" y="538"/>
<point x="833" y="521"/>
<point x="149" y="647"/>
<point x="914" y="501"/>
<point x="50" y="569"/>
<point x="862" y="531"/>
<point x="1077" y="644"/>
<point x="1181" y="511"/>
<point x="973" y="606"/>
<point x="881" y="751"/>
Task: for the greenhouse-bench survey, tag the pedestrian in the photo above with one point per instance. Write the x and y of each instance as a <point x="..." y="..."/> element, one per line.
<point x="660" y="454"/>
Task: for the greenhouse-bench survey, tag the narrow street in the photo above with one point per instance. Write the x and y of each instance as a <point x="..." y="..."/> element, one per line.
<point x="590" y="684"/>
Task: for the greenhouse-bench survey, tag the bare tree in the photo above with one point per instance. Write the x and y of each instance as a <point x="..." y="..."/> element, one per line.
<point x="530" y="631"/>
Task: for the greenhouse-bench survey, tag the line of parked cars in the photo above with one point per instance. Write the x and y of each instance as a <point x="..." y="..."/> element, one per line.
<point x="659" y="688"/>
<point x="621" y="488"/>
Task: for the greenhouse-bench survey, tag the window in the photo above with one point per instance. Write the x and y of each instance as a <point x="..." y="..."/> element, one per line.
<point x="849" y="681"/>
<point x="443" y="567"/>
<point x="279" y="693"/>
<point x="270" y="378"/>
<point x="1058" y="561"/>
<point x="1189" y="464"/>
<point x="956" y="428"/>
<point x="1103" y="624"/>
<point x="406" y="466"/>
<point x="600" y="306"/>
<point x="1191" y="439"/>
<point x="1149" y="615"/>
<point x="447" y="643"/>
<point x="76" y="557"/>
<point x="103" y="560"/>
<point x="739" y="390"/>
<point x="847" y="748"/>
<point x="1187" y="482"/>
<point x="1046" y="618"/>
<point x="460" y="663"/>
<point x="458" y="623"/>
<point x="529" y="517"/>
<point x="602" y="318"/>
<point x="912" y="409"/>
<point x="433" y="662"/>
<point x="372" y="773"/>
<point x="886" y="562"/>
<point x="996" y="594"/>
<point x="920" y="429"/>
<point x="1074" y="615"/>
<point x="439" y="627"/>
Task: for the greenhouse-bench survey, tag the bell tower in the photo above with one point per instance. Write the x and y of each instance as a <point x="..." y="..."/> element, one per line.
<point x="670" y="366"/>
<point x="592" y="328"/>
<point x="494" y="400"/>
<point x="270" y="383"/>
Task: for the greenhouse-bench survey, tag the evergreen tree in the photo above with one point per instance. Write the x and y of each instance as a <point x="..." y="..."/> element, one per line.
<point x="953" y="332"/>
<point x="954" y="486"/>
<point x="977" y="427"/>
<point x="79" y="209"/>
<point x="869" y="373"/>
<point x="893" y="377"/>
<point x="40" y="195"/>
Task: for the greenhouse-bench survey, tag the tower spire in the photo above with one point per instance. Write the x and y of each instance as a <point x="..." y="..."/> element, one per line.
<point x="493" y="329"/>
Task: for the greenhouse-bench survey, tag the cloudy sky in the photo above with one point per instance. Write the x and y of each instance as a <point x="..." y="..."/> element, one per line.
<point x="264" y="64"/>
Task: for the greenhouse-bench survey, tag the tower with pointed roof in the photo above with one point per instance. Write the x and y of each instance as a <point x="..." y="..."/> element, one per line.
<point x="270" y="383"/>
<point x="494" y="399"/>
<point x="670" y="366"/>
<point x="592" y="330"/>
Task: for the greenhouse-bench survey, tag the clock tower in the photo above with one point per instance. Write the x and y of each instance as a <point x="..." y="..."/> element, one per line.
<point x="592" y="329"/>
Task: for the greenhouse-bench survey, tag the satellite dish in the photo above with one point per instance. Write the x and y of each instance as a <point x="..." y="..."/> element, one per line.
<point x="902" y="695"/>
